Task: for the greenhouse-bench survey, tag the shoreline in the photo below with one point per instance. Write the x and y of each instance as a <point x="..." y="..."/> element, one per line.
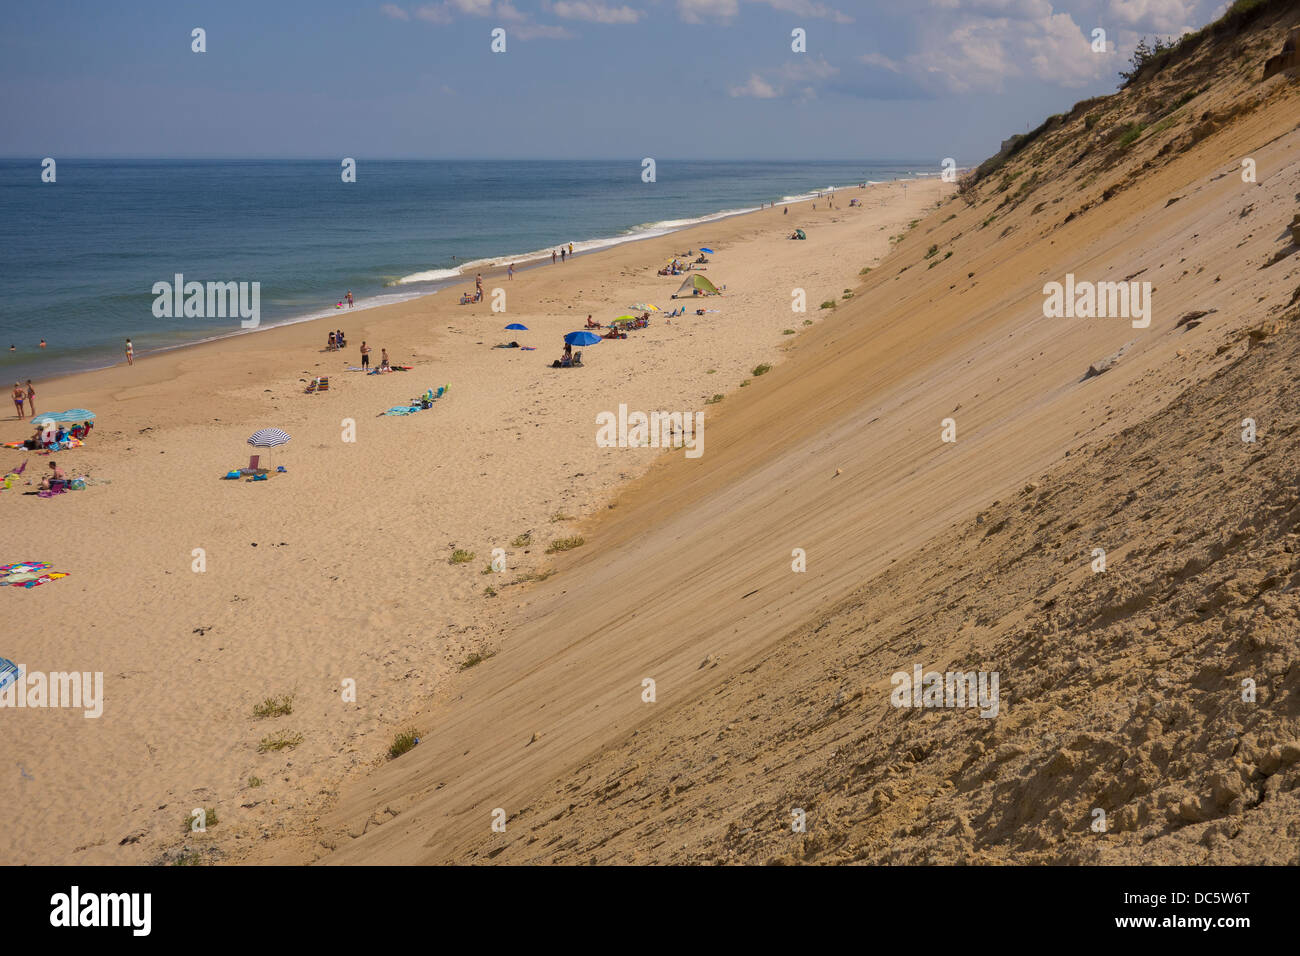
<point x="488" y="267"/>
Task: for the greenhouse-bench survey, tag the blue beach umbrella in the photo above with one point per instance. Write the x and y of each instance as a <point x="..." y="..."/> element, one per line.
<point x="706" y="249"/>
<point x="582" y="338"/>
<point x="516" y="327"/>
<point x="71" y="415"/>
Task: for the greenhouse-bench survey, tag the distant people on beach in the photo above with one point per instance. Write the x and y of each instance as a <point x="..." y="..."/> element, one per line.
<point x="383" y="358"/>
<point x="130" y="353"/>
<point x="478" y="286"/>
<point x="339" y="340"/>
<point x="570" y="248"/>
<point x="365" y="355"/>
<point x="510" y="272"/>
<point x="552" y="263"/>
<point x="329" y="345"/>
<point x="31" y="398"/>
<point x="19" y="397"/>
<point x="349" y="298"/>
<point x="42" y="343"/>
<point x="562" y="254"/>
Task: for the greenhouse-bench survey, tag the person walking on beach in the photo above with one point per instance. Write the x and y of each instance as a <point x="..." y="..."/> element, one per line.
<point x="552" y="263"/>
<point x="349" y="298"/>
<point x="365" y="355"/>
<point x="130" y="353"/>
<point x="19" y="395"/>
<point x="510" y="272"/>
<point x="563" y="254"/>
<point x="31" y="397"/>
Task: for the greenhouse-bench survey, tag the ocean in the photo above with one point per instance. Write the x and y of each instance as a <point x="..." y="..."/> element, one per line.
<point x="79" y="257"/>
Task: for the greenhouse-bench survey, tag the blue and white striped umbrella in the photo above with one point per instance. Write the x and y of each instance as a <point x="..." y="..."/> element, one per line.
<point x="268" y="438"/>
<point x="71" y="415"/>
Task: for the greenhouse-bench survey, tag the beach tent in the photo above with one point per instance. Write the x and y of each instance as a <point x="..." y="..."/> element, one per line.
<point x="695" y="282"/>
<point x="799" y="234"/>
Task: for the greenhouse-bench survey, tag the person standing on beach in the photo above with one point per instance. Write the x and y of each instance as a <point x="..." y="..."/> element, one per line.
<point x="570" y="248"/>
<point x="31" y="397"/>
<point x="19" y="395"/>
<point x="365" y="355"/>
<point x="383" y="358"/>
<point x="562" y="254"/>
<point x="130" y="353"/>
<point x="510" y="272"/>
<point x="552" y="263"/>
<point x="349" y="298"/>
<point x="478" y="285"/>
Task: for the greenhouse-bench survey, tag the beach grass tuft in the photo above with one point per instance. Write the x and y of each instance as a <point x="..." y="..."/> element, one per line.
<point x="274" y="707"/>
<point x="828" y="304"/>
<point x="761" y="369"/>
<point x="209" y="820"/>
<point x="403" y="742"/>
<point x="461" y="556"/>
<point x="523" y="540"/>
<point x="865" y="270"/>
<point x="254" y="781"/>
<point x="787" y="331"/>
<point x="475" y="659"/>
<point x="279" y="741"/>
<point x="560" y="516"/>
<point x="714" y="400"/>
<point x="807" y="321"/>
<point x="489" y="591"/>
<point x="566" y="544"/>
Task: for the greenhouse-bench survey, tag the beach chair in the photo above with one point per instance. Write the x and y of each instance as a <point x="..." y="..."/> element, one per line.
<point x="253" y="462"/>
<point x="577" y="357"/>
<point x="323" y="384"/>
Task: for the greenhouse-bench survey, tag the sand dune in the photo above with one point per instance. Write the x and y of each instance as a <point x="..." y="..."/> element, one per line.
<point x="975" y="555"/>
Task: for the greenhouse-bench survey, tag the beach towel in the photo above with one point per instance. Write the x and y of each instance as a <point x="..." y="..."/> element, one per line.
<point x="29" y="574"/>
<point x="9" y="672"/>
<point x="402" y="410"/>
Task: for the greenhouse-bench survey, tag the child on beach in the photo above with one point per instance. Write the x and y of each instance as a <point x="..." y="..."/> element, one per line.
<point x="130" y="353"/>
<point x="383" y="358"/>
<point x="329" y="345"/>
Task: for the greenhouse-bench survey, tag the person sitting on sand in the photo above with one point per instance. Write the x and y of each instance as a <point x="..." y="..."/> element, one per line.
<point x="56" y="474"/>
<point x="329" y="346"/>
<point x="591" y="324"/>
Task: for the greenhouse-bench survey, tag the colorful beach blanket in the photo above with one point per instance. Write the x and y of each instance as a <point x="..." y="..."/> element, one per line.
<point x="9" y="672"/>
<point x="29" y="574"/>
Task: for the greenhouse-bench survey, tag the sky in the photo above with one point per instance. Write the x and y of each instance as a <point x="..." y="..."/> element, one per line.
<point x="594" y="79"/>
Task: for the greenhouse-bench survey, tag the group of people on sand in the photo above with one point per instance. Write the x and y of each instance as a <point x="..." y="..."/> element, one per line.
<point x="336" y="341"/>
<point x="27" y="394"/>
<point x="57" y="436"/>
<point x="365" y="357"/>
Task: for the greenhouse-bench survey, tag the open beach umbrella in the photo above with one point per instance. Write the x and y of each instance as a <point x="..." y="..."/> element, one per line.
<point x="630" y="318"/>
<point x="517" y="327"/>
<point x="71" y="415"/>
<point x="706" y="249"/>
<point x="268" y="438"/>
<point x="582" y="338"/>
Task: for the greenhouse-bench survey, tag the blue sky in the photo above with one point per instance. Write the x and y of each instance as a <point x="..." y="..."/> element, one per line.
<point x="579" y="78"/>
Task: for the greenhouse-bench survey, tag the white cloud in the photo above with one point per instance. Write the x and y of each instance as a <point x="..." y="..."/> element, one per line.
<point x="594" y="12"/>
<point x="394" y="11"/>
<point x="696" y="11"/>
<point x="1158" y="16"/>
<point x="800" y="78"/>
<point x="756" y="87"/>
<point x="433" y="13"/>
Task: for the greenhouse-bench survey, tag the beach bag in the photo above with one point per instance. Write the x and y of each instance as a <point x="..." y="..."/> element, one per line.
<point x="78" y="484"/>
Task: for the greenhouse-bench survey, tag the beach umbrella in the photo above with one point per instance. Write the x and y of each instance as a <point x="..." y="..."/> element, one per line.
<point x="582" y="338"/>
<point x="706" y="249"/>
<point x="71" y="415"/>
<point x="516" y="327"/>
<point x="630" y="318"/>
<point x="268" y="438"/>
<point x="651" y="307"/>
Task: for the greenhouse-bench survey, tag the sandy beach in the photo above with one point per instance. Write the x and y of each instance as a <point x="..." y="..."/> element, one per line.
<point x="339" y="568"/>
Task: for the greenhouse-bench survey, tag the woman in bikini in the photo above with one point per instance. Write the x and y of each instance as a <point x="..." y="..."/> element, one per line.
<point x="19" y="396"/>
